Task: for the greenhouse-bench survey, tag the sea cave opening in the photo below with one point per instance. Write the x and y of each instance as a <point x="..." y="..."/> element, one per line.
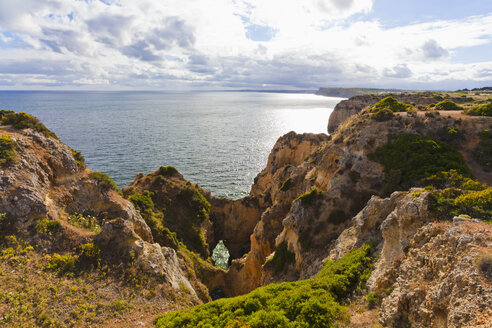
<point x="220" y="255"/>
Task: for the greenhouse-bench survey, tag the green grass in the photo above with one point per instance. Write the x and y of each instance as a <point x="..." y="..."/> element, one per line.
<point x="79" y="159"/>
<point x="7" y="150"/>
<point x="447" y="105"/>
<point x="483" y="154"/>
<point x="24" y="121"/>
<point x="482" y="110"/>
<point x="316" y="302"/>
<point x="103" y="180"/>
<point x="309" y="197"/>
<point x="410" y="158"/>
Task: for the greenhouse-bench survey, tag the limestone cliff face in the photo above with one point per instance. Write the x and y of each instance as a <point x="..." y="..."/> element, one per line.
<point x="45" y="182"/>
<point x="429" y="273"/>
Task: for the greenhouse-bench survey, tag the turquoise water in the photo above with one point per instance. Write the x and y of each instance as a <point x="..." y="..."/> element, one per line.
<point x="220" y="140"/>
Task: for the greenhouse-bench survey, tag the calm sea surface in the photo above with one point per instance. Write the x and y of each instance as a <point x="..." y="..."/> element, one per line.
<point x="220" y="140"/>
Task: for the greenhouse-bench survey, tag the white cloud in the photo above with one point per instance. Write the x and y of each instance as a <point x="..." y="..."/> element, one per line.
<point x="179" y="43"/>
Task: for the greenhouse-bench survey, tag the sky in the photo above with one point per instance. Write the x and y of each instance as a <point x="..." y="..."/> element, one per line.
<point x="244" y="44"/>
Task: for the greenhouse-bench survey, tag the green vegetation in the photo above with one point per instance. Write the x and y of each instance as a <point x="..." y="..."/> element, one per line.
<point x="281" y="259"/>
<point x="482" y="110"/>
<point x="7" y="150"/>
<point x="47" y="226"/>
<point x="460" y="195"/>
<point x="90" y="254"/>
<point x="309" y="197"/>
<point x="154" y="219"/>
<point x="79" y="159"/>
<point x="88" y="222"/>
<point x="382" y="115"/>
<point x="61" y="263"/>
<point x="167" y="171"/>
<point x="483" y="154"/>
<point x="315" y="302"/>
<point x="286" y="184"/>
<point x="103" y="180"/>
<point x="410" y="158"/>
<point x="447" y="105"/>
<point x="196" y="202"/>
<point x="391" y="104"/>
<point x="24" y="121"/>
<point x="372" y="300"/>
<point x="383" y="110"/>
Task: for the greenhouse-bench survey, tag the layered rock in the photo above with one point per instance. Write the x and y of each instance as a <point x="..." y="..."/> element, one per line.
<point x="46" y="183"/>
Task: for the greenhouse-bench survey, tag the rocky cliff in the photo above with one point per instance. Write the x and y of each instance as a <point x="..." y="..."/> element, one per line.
<point x="319" y="199"/>
<point x="349" y="107"/>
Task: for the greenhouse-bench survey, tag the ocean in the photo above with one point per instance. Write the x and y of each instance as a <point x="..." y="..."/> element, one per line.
<point x="219" y="140"/>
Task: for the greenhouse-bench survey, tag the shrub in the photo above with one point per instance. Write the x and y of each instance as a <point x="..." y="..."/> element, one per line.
<point x="483" y="153"/>
<point x="79" y="159"/>
<point x="90" y="254"/>
<point x="482" y="110"/>
<point x="154" y="219"/>
<point x="119" y="305"/>
<point x="196" y="202"/>
<point x="103" y="180"/>
<point x="305" y="303"/>
<point x="61" y="263"/>
<point x="282" y="258"/>
<point x="382" y="115"/>
<point x="47" y="226"/>
<point x="24" y="121"/>
<point x="410" y="158"/>
<point x="286" y="184"/>
<point x="167" y="171"/>
<point x="389" y="103"/>
<point x="460" y="195"/>
<point x="372" y="300"/>
<point x="309" y="197"/>
<point x="447" y="105"/>
<point x="7" y="150"/>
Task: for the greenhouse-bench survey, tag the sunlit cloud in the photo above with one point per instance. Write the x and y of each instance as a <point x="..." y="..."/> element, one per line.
<point x="230" y="44"/>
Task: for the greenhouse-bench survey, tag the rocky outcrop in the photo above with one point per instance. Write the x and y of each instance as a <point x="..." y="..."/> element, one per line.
<point x="429" y="273"/>
<point x="443" y="280"/>
<point x="46" y="184"/>
<point x="347" y="108"/>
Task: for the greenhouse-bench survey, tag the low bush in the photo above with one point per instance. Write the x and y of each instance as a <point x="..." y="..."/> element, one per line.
<point x="391" y="104"/>
<point x="7" y="150"/>
<point x="167" y="171"/>
<point x="90" y="254"/>
<point x="382" y="115"/>
<point x="79" y="159"/>
<point x="24" y="121"/>
<point x="47" y="226"/>
<point x="482" y="110"/>
<point x="460" y="195"/>
<point x="103" y="180"/>
<point x="447" y="105"/>
<point x="410" y="158"/>
<point x="307" y="303"/>
<point x="61" y="263"/>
